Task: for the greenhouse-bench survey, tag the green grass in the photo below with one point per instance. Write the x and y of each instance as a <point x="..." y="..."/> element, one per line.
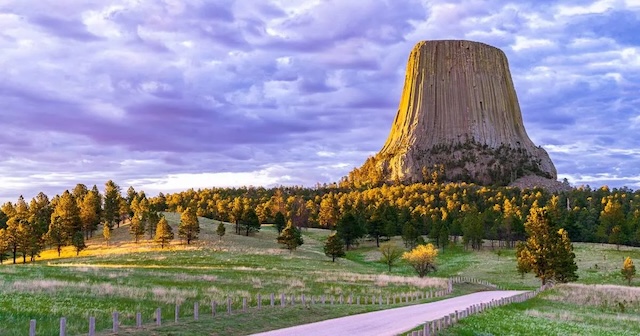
<point x="128" y="277"/>
<point x="551" y="313"/>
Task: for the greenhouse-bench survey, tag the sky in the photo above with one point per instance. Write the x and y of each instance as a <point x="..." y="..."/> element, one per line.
<point x="167" y="95"/>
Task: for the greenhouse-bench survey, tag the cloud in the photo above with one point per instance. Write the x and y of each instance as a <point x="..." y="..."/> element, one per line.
<point x="165" y="94"/>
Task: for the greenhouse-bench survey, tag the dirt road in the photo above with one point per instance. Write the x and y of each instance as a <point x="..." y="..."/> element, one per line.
<point x="391" y="321"/>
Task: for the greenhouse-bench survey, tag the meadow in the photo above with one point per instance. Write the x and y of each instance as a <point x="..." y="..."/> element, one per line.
<point x="128" y="277"/>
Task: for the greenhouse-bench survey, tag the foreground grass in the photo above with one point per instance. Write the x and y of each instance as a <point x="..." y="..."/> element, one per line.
<point x="564" y="310"/>
<point x="128" y="278"/>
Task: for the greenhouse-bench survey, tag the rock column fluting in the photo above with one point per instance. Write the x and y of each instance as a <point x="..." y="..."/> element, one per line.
<point x="459" y="111"/>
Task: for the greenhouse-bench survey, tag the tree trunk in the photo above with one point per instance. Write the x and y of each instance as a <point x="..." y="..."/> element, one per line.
<point x="15" y="251"/>
<point x="378" y="241"/>
<point x="334" y="258"/>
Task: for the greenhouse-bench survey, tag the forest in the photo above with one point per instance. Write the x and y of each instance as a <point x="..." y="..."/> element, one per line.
<point x="445" y="213"/>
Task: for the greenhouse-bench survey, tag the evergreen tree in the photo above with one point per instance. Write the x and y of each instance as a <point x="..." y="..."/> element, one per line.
<point x="89" y="215"/>
<point x="564" y="263"/>
<point x="106" y="233"/>
<point x="334" y="247"/>
<point x="152" y="223"/>
<point x="78" y="242"/>
<point x="290" y="237"/>
<point x="4" y="244"/>
<point x="164" y="233"/>
<point x="189" y="227"/>
<point x="279" y="221"/>
<point x="136" y="228"/>
<point x="547" y="253"/>
<point x="250" y="222"/>
<point x="628" y="270"/>
<point x="349" y="229"/>
<point x="57" y="236"/>
<point x="111" y="211"/>
<point x="221" y="230"/>
<point x="391" y="253"/>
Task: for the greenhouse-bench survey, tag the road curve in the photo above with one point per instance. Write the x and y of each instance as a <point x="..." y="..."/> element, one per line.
<point x="390" y="322"/>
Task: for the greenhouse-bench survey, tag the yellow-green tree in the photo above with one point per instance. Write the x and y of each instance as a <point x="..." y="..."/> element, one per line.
<point x="422" y="259"/>
<point x="391" y="254"/>
<point x="334" y="247"/>
<point x="164" y="233"/>
<point x="628" y="270"/>
<point x="546" y="253"/>
<point x="189" y="227"/>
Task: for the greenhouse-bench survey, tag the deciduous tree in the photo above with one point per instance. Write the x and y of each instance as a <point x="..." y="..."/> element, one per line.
<point x="422" y="259"/>
<point x="391" y="254"/>
<point x="628" y="270"/>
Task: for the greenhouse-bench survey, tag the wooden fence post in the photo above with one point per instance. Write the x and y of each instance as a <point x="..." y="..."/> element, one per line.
<point x="283" y="301"/>
<point x="138" y="320"/>
<point x="32" y="328"/>
<point x="244" y="304"/>
<point x="426" y="330"/>
<point x="196" y="310"/>
<point x="177" y="312"/>
<point x="158" y="317"/>
<point x="273" y="300"/>
<point x="302" y="300"/>
<point x="358" y="300"/>
<point x="380" y="300"/>
<point x="293" y="299"/>
<point x="114" y="319"/>
<point x="63" y="326"/>
<point x="92" y="326"/>
<point x="323" y="298"/>
<point x="229" y="305"/>
<point x="213" y="308"/>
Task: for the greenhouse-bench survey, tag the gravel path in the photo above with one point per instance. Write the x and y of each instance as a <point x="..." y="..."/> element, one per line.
<point x="391" y="321"/>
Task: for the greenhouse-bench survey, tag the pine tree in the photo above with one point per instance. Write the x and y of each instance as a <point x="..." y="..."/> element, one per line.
<point x="106" y="233"/>
<point x="334" y="247"/>
<point x="349" y="229"/>
<point x="221" y="230"/>
<point x="547" y="253"/>
<point x="88" y="213"/>
<point x="4" y="244"/>
<point x="290" y="237"/>
<point x="628" y="270"/>
<point x="279" y="222"/>
<point x="250" y="222"/>
<point x="111" y="211"/>
<point x="164" y="233"/>
<point x="78" y="242"/>
<point x="564" y="259"/>
<point x="189" y="227"/>
<point x="136" y="228"/>
<point x="56" y="235"/>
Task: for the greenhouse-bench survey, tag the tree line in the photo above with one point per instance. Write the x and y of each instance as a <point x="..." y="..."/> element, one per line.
<point x="444" y="212"/>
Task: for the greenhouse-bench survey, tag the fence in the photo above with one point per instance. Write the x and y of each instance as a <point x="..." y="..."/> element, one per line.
<point x="270" y="301"/>
<point x="433" y="327"/>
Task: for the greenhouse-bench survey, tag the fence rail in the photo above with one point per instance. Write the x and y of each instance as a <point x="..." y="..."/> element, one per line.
<point x="244" y="304"/>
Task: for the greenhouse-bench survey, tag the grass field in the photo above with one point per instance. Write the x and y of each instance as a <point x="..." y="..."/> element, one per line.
<point x="128" y="277"/>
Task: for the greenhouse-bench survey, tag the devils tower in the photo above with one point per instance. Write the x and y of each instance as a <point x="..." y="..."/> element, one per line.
<point x="459" y="117"/>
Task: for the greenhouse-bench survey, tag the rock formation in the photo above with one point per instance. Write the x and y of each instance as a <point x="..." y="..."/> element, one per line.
<point x="459" y="116"/>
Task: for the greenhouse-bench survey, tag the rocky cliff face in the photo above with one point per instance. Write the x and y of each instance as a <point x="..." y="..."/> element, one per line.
<point x="458" y="115"/>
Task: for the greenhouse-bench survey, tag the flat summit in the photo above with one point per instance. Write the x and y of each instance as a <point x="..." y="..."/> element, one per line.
<point x="458" y="115"/>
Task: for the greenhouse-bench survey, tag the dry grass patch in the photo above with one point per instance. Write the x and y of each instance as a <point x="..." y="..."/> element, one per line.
<point x="604" y="296"/>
